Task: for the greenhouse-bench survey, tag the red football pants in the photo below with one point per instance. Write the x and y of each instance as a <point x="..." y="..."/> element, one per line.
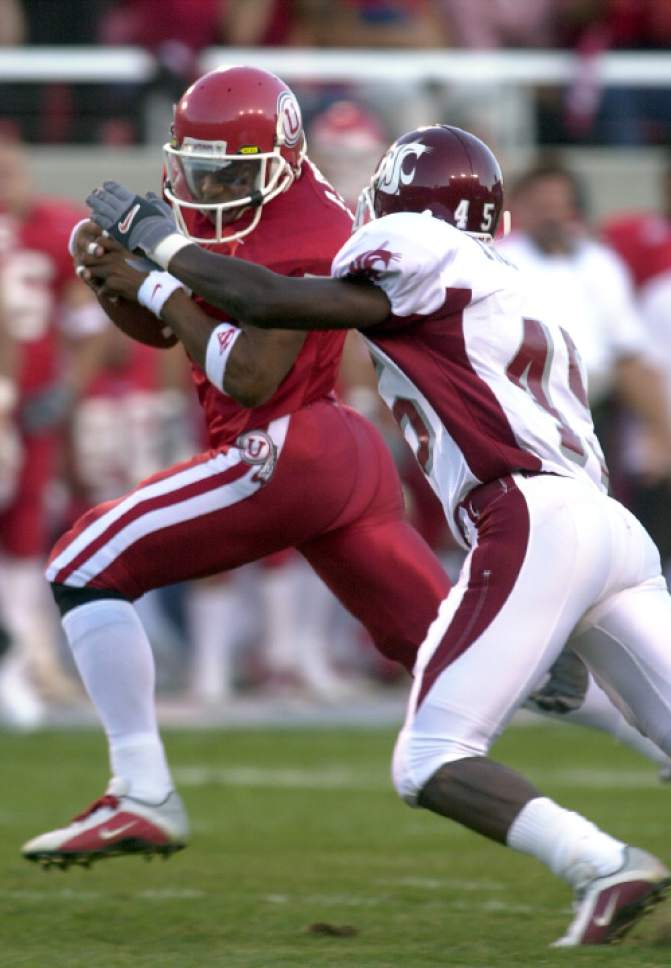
<point x="321" y="481"/>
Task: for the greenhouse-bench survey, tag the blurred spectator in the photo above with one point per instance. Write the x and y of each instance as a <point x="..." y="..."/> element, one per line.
<point x="653" y="501"/>
<point x="53" y="111"/>
<point x="20" y="706"/>
<point x="264" y="23"/>
<point x="12" y="23"/>
<point x="584" y="287"/>
<point x="127" y="425"/>
<point x="374" y="23"/>
<point x="346" y="143"/>
<point x="643" y="240"/>
<point x="490" y="24"/>
<point x="174" y="31"/>
<point x="57" y="328"/>
<point x="590" y="112"/>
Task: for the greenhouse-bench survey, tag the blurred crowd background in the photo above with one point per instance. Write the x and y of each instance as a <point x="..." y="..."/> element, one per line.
<point x="585" y="152"/>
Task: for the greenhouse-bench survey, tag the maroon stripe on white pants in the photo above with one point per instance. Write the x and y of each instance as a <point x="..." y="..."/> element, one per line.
<point x="500" y="514"/>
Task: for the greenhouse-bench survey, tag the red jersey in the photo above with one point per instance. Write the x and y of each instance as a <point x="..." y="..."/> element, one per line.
<point x="299" y="233"/>
<point x="643" y="241"/>
<point x="35" y="267"/>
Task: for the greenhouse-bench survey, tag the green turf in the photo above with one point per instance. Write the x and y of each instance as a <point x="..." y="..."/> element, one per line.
<point x="295" y="828"/>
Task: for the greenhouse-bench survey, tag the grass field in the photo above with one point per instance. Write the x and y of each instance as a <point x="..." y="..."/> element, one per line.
<point x="295" y="828"/>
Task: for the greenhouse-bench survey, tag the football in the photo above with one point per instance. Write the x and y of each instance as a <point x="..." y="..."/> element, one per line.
<point x="138" y="323"/>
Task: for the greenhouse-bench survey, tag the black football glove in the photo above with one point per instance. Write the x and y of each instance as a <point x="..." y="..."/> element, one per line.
<point x="135" y="222"/>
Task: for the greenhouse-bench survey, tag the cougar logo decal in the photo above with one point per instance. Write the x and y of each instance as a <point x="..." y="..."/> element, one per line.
<point x="373" y="263"/>
<point x="394" y="172"/>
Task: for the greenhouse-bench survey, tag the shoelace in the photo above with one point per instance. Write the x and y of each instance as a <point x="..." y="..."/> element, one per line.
<point x="108" y="800"/>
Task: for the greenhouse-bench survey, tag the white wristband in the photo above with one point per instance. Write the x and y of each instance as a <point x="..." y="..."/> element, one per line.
<point x="155" y="291"/>
<point x="72" y="249"/>
<point x="221" y="342"/>
<point x="8" y="394"/>
<point x="167" y="248"/>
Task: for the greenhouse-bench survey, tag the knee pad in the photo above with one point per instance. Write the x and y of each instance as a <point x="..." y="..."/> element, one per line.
<point x="67" y="598"/>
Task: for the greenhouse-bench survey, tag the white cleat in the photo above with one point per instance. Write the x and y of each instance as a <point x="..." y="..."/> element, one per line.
<point x="606" y="908"/>
<point x="114" y="825"/>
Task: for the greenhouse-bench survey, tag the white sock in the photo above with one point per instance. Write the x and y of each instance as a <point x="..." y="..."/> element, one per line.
<point x="598" y="712"/>
<point x="571" y="846"/>
<point x="115" y="662"/>
<point x="213" y="630"/>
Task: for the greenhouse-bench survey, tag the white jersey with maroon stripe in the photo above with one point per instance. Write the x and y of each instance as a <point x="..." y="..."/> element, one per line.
<point x="480" y="385"/>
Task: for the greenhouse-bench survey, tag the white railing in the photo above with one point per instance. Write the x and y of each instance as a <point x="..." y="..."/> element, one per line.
<point x="76" y="64"/>
<point x="100" y="64"/>
<point x="451" y="66"/>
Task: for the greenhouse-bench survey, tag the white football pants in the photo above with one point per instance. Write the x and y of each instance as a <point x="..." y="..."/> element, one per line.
<point x="552" y="560"/>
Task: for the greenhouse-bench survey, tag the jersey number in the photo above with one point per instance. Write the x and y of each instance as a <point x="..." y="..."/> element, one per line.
<point x="530" y="370"/>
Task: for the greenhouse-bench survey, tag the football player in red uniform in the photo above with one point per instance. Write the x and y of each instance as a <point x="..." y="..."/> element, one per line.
<point x="56" y="326"/>
<point x="492" y="396"/>
<point x="288" y="465"/>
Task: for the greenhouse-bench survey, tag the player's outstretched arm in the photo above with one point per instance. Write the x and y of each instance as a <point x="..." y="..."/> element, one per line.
<point x="259" y="297"/>
<point x="251" y="294"/>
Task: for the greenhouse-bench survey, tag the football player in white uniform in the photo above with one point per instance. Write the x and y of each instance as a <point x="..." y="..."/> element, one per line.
<point x="492" y="399"/>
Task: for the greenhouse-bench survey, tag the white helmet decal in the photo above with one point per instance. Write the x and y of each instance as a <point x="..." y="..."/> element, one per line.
<point x="390" y="174"/>
<point x="289" y="121"/>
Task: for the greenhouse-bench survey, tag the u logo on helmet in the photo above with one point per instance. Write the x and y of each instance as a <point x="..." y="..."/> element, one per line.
<point x="289" y="122"/>
<point x="393" y="172"/>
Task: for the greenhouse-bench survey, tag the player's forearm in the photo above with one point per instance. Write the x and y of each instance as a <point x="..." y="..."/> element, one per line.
<point x="259" y="297"/>
<point x="249" y="293"/>
<point x="189" y="323"/>
<point x="257" y="363"/>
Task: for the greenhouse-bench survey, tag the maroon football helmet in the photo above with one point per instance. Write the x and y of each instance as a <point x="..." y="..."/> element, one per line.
<point x="440" y="169"/>
<point x="239" y="123"/>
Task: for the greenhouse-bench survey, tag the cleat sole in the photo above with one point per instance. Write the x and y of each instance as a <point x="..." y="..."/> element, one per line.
<point x="124" y="848"/>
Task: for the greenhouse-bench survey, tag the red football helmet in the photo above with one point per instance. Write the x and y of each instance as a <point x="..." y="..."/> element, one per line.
<point x="444" y="170"/>
<point x="236" y="126"/>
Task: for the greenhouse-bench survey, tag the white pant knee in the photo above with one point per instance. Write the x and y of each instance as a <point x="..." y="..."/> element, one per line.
<point x="417" y="756"/>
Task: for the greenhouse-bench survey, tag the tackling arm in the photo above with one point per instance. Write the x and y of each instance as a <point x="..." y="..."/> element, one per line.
<point x="251" y="294"/>
<point x="262" y="298"/>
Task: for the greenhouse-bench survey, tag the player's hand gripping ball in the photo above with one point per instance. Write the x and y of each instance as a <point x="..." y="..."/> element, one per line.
<point x="116" y="285"/>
